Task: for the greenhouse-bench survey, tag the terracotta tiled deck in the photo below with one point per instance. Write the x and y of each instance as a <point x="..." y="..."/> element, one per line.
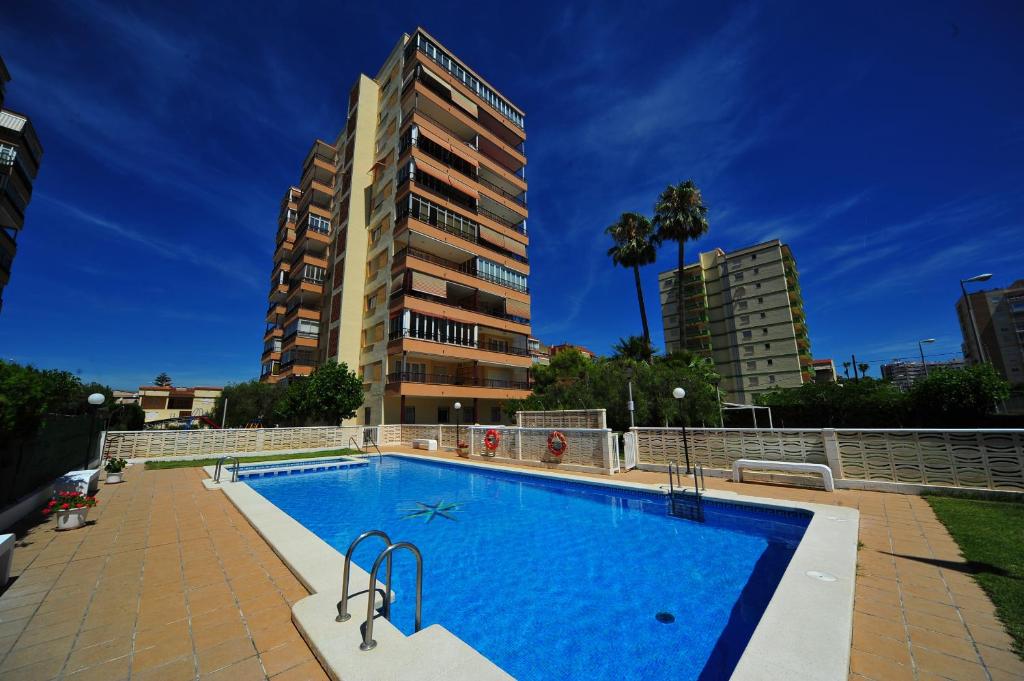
<point x="172" y="583"/>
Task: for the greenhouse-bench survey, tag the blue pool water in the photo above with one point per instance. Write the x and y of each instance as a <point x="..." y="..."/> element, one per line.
<point x="552" y="579"/>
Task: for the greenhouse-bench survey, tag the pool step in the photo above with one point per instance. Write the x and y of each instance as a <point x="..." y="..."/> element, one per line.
<point x="295" y="468"/>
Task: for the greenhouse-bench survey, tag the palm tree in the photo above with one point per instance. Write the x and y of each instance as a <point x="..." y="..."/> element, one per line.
<point x="863" y="369"/>
<point x="846" y="369"/>
<point x="680" y="215"/>
<point x="635" y="348"/>
<point x="633" y="237"/>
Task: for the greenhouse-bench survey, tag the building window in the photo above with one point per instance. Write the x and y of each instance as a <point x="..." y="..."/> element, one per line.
<point x="764" y="315"/>
<point x="757" y="285"/>
<point x="756" y="270"/>
<point x="760" y="300"/>
<point x="751" y="366"/>
<point x="754" y="381"/>
<point x="367" y="413"/>
<point x="495" y="414"/>
<point x="409" y="415"/>
<point x="747" y="335"/>
<point x="748" y="349"/>
<point x="771" y="377"/>
<point x="442" y="414"/>
<point x="741" y="305"/>
<point x="764" y="331"/>
<point x="767" y="346"/>
<point x="754" y="256"/>
<point x="770" y="362"/>
<point x="745" y="319"/>
<point x="738" y="276"/>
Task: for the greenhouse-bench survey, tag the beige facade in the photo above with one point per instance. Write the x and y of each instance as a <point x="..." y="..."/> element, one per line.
<point x="743" y="309"/>
<point x="425" y="293"/>
<point x="166" y="402"/>
<point x="999" y="318"/>
<point x="20" y="156"/>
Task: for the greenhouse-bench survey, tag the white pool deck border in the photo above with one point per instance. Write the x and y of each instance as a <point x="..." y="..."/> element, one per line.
<point x="804" y="633"/>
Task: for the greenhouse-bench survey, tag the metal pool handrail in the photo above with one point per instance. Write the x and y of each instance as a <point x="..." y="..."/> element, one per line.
<point x="357" y="447"/>
<point x="343" y="614"/>
<point x="368" y="642"/>
<point x="220" y="466"/>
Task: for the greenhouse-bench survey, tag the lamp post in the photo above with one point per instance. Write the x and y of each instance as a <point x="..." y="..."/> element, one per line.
<point x="970" y="310"/>
<point x="458" y="409"/>
<point x="629" y="385"/>
<point x="95" y="400"/>
<point x="920" y="346"/>
<point x="679" y="394"/>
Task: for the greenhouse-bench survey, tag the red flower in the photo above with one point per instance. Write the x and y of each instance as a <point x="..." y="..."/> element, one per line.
<point x="53" y="502"/>
<point x="64" y="507"/>
<point x="46" y="511"/>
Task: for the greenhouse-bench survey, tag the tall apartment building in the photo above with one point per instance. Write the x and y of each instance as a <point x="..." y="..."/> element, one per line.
<point x="999" y="317"/>
<point x="904" y="374"/>
<point x="743" y="310"/>
<point x="20" y="155"/>
<point x="423" y="288"/>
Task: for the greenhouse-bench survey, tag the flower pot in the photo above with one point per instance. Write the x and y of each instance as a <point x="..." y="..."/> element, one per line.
<point x="71" y="519"/>
<point x="463" y="452"/>
<point x="114" y="478"/>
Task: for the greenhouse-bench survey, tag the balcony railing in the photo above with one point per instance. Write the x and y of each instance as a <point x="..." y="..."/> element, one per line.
<point x="520" y="198"/>
<point x="468" y="268"/>
<point x="402" y="210"/>
<point x="488" y="346"/>
<point x="517" y="226"/>
<point x="444" y="379"/>
<point x="480" y="309"/>
<point x="420" y="112"/>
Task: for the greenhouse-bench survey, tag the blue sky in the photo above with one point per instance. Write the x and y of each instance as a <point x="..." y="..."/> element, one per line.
<point x="884" y="143"/>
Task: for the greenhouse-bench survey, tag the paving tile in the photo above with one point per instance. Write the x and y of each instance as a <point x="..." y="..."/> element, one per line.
<point x="225" y="654"/>
<point x="101" y="652"/>
<point x="40" y="671"/>
<point x="948" y="666"/>
<point x="112" y="670"/>
<point x="308" y="671"/>
<point x="246" y="670"/>
<point x="29" y="655"/>
<point x="285" y="657"/>
<point x="878" y="668"/>
<point x="178" y="669"/>
<point x="893" y="649"/>
<point x="957" y="646"/>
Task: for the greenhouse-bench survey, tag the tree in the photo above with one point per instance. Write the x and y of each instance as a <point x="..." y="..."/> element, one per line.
<point x="680" y="215"/>
<point x="247" y="402"/>
<point x="863" y="366"/>
<point x="846" y="369"/>
<point x="162" y="380"/>
<point x="957" y="397"/>
<point x="328" y="396"/>
<point x="635" y="348"/>
<point x="633" y="237"/>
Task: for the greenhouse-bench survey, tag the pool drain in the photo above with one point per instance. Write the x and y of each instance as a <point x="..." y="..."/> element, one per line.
<point x="665" y="617"/>
<point x="822" y="576"/>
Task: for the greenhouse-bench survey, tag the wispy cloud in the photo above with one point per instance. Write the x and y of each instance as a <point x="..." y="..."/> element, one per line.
<point x="239" y="270"/>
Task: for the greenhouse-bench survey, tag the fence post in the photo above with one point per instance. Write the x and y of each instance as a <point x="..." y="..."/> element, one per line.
<point x="519" y="444"/>
<point x="835" y="462"/>
<point x="606" y="453"/>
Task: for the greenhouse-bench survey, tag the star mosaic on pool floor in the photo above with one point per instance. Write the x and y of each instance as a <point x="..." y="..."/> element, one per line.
<point x="431" y="511"/>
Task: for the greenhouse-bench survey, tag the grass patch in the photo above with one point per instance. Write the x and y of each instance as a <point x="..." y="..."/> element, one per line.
<point x="195" y="463"/>
<point x="991" y="537"/>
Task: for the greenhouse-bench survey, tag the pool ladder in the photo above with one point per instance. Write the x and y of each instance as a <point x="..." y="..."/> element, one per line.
<point x="220" y="467"/>
<point x="352" y="441"/>
<point x="681" y="504"/>
<point x="371" y="591"/>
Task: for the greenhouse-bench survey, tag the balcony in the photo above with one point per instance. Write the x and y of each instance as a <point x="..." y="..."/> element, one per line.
<point x="438" y="217"/>
<point x="298" y="358"/>
<point x="468" y="267"/>
<point x="440" y="337"/>
<point x="480" y="308"/>
<point x="444" y="379"/>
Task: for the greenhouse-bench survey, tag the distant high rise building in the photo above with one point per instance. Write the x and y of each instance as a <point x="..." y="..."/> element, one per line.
<point x="904" y="374"/>
<point x="20" y="156"/>
<point x="403" y="251"/>
<point x="743" y="310"/>
<point x="999" y="317"/>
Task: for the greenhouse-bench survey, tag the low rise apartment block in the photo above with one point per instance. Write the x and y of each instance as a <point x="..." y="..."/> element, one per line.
<point x="402" y="252"/>
<point x="167" y="402"/>
<point x="20" y="156"/>
<point x="744" y="310"/>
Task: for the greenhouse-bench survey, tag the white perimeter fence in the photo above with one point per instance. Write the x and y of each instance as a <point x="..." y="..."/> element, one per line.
<point x="983" y="459"/>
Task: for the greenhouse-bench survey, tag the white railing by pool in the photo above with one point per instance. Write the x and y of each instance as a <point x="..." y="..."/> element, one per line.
<point x="981" y="458"/>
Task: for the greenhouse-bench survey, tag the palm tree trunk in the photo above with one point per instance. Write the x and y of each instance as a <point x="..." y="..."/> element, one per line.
<point x="680" y="299"/>
<point x="643" y="308"/>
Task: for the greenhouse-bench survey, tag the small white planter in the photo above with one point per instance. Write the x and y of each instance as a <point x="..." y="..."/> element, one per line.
<point x="114" y="478"/>
<point x="72" y="519"/>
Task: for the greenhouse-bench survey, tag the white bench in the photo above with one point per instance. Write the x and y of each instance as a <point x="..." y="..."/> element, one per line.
<point x="756" y="465"/>
<point x="6" y="558"/>
<point x="85" y="482"/>
<point x="425" y="443"/>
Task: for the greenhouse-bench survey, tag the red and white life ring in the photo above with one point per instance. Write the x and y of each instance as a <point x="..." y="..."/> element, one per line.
<point x="558" y="445"/>
<point x="492" y="439"/>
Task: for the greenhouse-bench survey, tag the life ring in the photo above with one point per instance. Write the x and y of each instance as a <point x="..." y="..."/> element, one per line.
<point x="558" y="445"/>
<point x="492" y="439"/>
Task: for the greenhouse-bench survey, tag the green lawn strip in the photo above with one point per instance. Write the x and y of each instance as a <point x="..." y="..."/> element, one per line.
<point x="194" y="463"/>
<point x="991" y="537"/>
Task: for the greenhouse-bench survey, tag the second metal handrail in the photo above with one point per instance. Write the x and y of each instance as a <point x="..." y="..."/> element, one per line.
<point x="368" y="642"/>
<point x="343" y="614"/>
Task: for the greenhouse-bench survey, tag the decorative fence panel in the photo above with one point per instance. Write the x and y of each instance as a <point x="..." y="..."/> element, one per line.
<point x="718" y="447"/>
<point x="992" y="459"/>
<point x="150" y="443"/>
<point x="586" y="447"/>
<point x="565" y="418"/>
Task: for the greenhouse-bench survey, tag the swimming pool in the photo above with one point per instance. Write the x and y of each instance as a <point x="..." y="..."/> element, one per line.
<point x="553" y="579"/>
